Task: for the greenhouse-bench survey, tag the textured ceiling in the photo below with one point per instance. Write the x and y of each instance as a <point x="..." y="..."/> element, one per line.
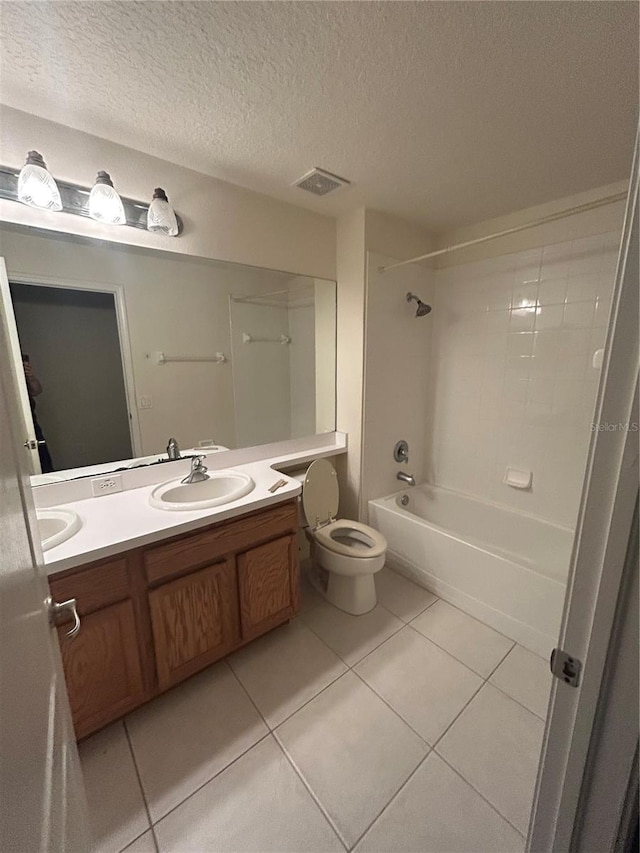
<point x="443" y="113"/>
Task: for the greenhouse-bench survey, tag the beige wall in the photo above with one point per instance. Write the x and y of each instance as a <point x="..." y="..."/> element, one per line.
<point x="360" y="232"/>
<point x="350" y="354"/>
<point x="398" y="347"/>
<point x="222" y="221"/>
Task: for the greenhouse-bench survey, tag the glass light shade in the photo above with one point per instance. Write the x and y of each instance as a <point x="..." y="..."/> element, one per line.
<point x="161" y="217"/>
<point x="105" y="205"/>
<point x="36" y="186"/>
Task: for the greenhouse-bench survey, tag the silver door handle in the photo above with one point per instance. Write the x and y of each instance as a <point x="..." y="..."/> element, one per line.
<point x="56" y="608"/>
<point x="31" y="443"/>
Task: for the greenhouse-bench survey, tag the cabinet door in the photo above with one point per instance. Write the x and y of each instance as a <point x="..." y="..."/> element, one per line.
<point x="102" y="667"/>
<point x="194" y="621"/>
<point x="266" y="586"/>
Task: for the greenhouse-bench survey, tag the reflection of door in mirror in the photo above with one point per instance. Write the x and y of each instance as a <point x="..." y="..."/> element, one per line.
<point x="76" y="382"/>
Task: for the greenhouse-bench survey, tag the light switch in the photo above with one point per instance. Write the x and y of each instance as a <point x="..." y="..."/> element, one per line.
<point x="146" y="401"/>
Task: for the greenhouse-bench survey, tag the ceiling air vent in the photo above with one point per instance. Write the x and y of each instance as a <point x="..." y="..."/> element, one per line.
<point x="319" y="182"/>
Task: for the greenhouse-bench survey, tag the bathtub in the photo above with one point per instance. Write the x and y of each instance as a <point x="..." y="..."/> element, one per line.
<point x="504" y="567"/>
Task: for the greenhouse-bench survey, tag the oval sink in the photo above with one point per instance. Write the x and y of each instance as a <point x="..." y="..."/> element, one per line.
<point x="56" y="526"/>
<point x="221" y="487"/>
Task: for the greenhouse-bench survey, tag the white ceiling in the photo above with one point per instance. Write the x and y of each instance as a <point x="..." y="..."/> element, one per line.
<point x="444" y="113"/>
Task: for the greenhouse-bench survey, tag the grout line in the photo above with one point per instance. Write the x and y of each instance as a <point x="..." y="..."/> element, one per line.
<point x="366" y="654"/>
<point x="509" y="696"/>
<point x="500" y="662"/>
<point x="310" y="791"/>
<point x="215" y="776"/>
<point x="155" y="839"/>
<point x="481" y="795"/>
<point x="435" y="643"/>
<point x="139" y="778"/>
<point x="397" y="793"/>
<point x="308" y="701"/>
<point x="395" y="711"/>
<point x="248" y="695"/>
<point x="459" y="714"/>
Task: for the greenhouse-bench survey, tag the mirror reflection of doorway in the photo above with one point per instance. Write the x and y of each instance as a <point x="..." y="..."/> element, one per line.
<point x="71" y="339"/>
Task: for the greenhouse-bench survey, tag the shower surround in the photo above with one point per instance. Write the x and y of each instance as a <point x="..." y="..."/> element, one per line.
<point x="511" y="376"/>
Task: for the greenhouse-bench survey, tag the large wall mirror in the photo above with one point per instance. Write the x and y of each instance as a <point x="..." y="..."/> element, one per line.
<point x="123" y="348"/>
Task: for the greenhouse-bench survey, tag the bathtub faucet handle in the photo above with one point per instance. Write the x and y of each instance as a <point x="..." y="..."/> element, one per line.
<point x="401" y="451"/>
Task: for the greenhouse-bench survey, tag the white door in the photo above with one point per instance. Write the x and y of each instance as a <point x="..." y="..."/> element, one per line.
<point x="13" y="361"/>
<point x="599" y="565"/>
<point x="42" y="805"/>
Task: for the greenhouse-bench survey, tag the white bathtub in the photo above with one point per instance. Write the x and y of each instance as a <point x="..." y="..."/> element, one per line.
<point x="504" y="567"/>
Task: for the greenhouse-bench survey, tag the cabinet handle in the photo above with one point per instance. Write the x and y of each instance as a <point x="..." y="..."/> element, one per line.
<point x="56" y="608"/>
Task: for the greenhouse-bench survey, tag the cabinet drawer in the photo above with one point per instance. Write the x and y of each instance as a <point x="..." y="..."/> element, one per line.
<point x="93" y="587"/>
<point x="102" y="667"/>
<point x="266" y="585"/>
<point x="191" y="552"/>
<point x="194" y="621"/>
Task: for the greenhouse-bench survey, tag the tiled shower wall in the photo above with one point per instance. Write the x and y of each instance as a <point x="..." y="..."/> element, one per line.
<point x="511" y="380"/>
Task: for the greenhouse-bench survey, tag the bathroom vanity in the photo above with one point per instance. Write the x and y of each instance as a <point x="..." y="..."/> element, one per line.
<point x="152" y="616"/>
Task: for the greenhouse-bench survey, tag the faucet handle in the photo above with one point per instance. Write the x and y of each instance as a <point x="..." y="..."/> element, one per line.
<point x="196" y="463"/>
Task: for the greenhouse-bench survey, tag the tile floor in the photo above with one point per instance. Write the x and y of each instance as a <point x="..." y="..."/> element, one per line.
<point x="413" y="728"/>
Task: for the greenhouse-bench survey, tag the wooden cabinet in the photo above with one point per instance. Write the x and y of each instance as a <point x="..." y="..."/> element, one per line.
<point x="264" y="586"/>
<point x="194" y="621"/>
<point x="102" y="667"/>
<point x="154" y="616"/>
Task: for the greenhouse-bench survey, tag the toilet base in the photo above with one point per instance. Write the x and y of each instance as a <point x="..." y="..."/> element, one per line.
<point x="355" y="594"/>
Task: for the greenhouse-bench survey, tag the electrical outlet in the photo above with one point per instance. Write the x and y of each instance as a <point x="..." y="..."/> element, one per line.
<point x="106" y="485"/>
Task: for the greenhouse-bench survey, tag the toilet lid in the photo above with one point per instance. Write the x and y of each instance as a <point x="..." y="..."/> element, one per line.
<point x="320" y="493"/>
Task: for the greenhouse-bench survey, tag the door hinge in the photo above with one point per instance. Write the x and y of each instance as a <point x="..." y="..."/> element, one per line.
<point x="565" y="667"/>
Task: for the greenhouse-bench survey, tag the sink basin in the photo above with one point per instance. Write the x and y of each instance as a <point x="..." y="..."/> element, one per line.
<point x="56" y="526"/>
<point x="221" y="487"/>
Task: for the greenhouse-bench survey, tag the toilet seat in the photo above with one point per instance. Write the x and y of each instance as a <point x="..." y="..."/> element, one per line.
<point x="320" y="496"/>
<point x="351" y="538"/>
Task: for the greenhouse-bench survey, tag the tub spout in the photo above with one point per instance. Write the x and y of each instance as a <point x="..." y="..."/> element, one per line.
<point x="406" y="478"/>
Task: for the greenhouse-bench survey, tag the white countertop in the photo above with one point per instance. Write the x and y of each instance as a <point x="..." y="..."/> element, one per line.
<point x="118" y="522"/>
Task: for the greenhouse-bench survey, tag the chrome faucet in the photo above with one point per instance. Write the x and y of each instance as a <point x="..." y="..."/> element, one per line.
<point x="198" y="471"/>
<point x="406" y="478"/>
<point x="173" y="451"/>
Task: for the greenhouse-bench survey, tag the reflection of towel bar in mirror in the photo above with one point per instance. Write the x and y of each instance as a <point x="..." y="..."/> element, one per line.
<point x="248" y="339"/>
<point x="162" y="358"/>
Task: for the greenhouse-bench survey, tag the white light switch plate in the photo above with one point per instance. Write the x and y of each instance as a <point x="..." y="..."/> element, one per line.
<point x="146" y="401"/>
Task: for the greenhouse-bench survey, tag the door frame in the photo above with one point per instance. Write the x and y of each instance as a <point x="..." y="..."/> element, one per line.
<point x="126" y="357"/>
<point x="604" y="535"/>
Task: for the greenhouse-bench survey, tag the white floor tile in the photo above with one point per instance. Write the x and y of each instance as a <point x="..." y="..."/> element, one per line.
<point x="116" y="807"/>
<point x="351" y="637"/>
<point x="257" y="805"/>
<point x="526" y="678"/>
<point x="438" y="811"/>
<point x="353" y="752"/>
<point x="400" y="596"/>
<point x="423" y="683"/>
<point x="474" y="643"/>
<point x="284" y="669"/>
<point x="188" y="735"/>
<point x="495" y="744"/>
<point x="144" y="844"/>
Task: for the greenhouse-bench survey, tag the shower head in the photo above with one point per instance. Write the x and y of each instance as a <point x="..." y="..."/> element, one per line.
<point x="423" y="309"/>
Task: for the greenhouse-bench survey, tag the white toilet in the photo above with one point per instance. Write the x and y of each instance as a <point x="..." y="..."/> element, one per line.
<point x="345" y="554"/>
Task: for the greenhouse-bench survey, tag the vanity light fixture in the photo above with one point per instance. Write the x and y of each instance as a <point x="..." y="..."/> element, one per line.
<point x="105" y="205"/>
<point x="36" y="186"/>
<point x="33" y="185"/>
<point x="161" y="217"/>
